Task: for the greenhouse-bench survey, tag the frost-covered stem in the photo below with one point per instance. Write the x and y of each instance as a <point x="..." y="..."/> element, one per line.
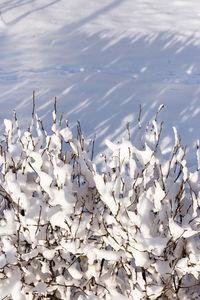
<point x="38" y="223"/>
<point x="128" y="129"/>
<point x="17" y="125"/>
<point x="41" y="123"/>
<point x="93" y="142"/>
<point x="33" y="99"/>
<point x="55" y="110"/>
<point x="198" y="155"/>
<point x="158" y="111"/>
<point x="139" y="117"/>
<point x="60" y="121"/>
<point x="162" y="178"/>
<point x="158" y="138"/>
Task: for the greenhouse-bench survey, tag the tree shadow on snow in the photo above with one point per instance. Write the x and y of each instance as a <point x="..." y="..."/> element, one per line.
<point x="102" y="81"/>
<point x="10" y="5"/>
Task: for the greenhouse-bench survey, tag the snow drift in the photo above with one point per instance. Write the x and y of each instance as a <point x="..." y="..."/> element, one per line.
<point x="68" y="231"/>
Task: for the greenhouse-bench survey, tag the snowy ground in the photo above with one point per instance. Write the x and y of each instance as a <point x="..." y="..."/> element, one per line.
<point x="102" y="59"/>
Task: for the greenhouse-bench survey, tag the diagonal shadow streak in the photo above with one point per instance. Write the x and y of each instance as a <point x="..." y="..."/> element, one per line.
<point x="18" y="19"/>
<point x="77" y="25"/>
<point x="10" y="5"/>
<point x="73" y="26"/>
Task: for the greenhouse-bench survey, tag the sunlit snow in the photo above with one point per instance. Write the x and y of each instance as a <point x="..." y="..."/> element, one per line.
<point x="112" y="213"/>
<point x="101" y="61"/>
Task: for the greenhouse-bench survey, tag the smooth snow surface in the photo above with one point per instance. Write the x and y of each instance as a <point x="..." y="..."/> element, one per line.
<point x="101" y="59"/>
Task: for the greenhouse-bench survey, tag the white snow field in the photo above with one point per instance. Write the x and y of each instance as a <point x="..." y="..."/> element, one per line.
<point x="101" y="59"/>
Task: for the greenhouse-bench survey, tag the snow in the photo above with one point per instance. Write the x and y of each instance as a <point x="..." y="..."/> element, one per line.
<point x="8" y="125"/>
<point x="130" y="229"/>
<point x="75" y="273"/>
<point x="108" y="232"/>
<point x="101" y="61"/>
<point x="175" y="229"/>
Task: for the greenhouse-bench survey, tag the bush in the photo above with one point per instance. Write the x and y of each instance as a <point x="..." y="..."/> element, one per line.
<point x="68" y="231"/>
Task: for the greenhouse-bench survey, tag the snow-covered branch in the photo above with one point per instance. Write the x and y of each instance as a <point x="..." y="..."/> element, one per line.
<point x="68" y="231"/>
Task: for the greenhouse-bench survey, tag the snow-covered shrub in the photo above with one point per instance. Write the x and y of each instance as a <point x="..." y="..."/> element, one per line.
<point x="68" y="231"/>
